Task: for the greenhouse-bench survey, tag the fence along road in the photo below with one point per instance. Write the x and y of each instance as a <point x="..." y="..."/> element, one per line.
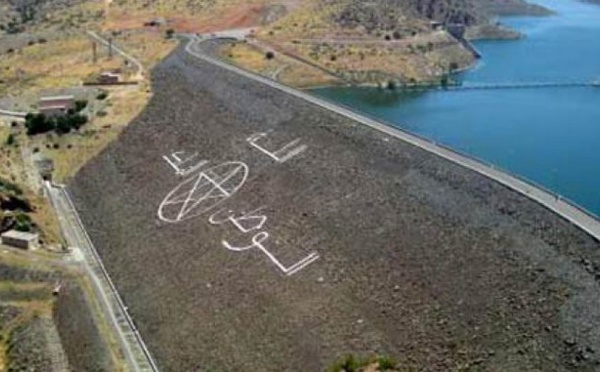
<point x="565" y="208"/>
<point x="136" y="354"/>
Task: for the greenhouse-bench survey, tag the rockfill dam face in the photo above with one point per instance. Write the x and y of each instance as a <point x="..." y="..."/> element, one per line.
<point x="250" y="230"/>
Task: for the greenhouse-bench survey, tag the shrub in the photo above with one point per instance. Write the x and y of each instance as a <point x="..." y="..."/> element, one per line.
<point x="9" y="186"/>
<point x="270" y="55"/>
<point x="10" y="140"/>
<point x="64" y="124"/>
<point x="169" y="33"/>
<point x="23" y="223"/>
<point x="80" y="105"/>
<point x="38" y="123"/>
<point x="349" y="364"/>
<point x="102" y="96"/>
<point x="386" y="364"/>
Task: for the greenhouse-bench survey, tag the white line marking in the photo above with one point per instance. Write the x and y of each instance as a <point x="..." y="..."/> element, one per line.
<point x="257" y="241"/>
<point x="203" y="192"/>
<point x="241" y="222"/>
<point x="283" y="154"/>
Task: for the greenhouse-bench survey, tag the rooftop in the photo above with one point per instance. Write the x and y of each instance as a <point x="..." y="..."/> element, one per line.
<point x="53" y="107"/>
<point x="56" y="98"/>
<point x="21" y="235"/>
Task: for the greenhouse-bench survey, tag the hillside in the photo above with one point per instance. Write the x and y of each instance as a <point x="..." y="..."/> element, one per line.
<point x="378" y="42"/>
<point x="315" y="40"/>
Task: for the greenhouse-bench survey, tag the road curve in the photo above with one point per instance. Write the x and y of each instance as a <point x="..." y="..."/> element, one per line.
<point x="566" y="209"/>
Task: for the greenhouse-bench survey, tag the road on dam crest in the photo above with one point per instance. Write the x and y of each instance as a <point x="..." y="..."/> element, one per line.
<point x="249" y="228"/>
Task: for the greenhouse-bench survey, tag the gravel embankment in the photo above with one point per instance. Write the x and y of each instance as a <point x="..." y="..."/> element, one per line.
<point x="84" y="346"/>
<point x="420" y="259"/>
<point x="30" y="348"/>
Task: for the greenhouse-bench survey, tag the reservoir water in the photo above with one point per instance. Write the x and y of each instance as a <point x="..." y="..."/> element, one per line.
<point x="550" y="136"/>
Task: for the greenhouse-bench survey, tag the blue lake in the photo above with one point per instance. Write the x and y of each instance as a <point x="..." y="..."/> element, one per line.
<point x="550" y="136"/>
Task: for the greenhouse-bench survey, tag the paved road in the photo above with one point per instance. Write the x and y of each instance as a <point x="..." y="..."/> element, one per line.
<point x="13" y="114"/>
<point x="236" y="33"/>
<point x="137" y="355"/>
<point x="567" y="210"/>
<point x="137" y="63"/>
<point x="291" y="54"/>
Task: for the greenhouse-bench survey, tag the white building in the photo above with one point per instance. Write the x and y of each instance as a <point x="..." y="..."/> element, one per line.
<point x="20" y="239"/>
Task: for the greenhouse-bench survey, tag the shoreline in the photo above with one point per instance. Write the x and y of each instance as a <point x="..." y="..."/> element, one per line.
<point x="379" y="210"/>
<point x="527" y="188"/>
<point x="461" y="70"/>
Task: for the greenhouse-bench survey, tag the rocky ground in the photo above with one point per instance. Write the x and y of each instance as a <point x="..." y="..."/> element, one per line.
<point x="43" y="331"/>
<point x="420" y="259"/>
<point x="79" y="332"/>
<point x="29" y="348"/>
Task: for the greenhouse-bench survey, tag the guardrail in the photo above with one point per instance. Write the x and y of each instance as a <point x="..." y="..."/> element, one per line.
<point x="517" y="183"/>
<point x="483" y="162"/>
<point x="106" y="276"/>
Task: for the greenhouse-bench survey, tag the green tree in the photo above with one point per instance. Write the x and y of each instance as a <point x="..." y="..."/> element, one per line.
<point x="38" y="123"/>
<point x="80" y="105"/>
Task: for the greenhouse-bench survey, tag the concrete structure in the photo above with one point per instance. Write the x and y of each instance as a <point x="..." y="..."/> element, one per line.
<point x="436" y="26"/>
<point x="456" y="29"/>
<point x="20" y="239"/>
<point x="136" y="353"/>
<point x="138" y="64"/>
<point x="426" y="248"/>
<point x="56" y="105"/>
<point x="44" y="165"/>
<point x="109" y="77"/>
<point x="570" y="212"/>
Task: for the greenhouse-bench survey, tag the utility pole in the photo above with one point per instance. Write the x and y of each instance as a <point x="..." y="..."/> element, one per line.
<point x="107" y="12"/>
<point x="94" y="51"/>
<point x="110" y="48"/>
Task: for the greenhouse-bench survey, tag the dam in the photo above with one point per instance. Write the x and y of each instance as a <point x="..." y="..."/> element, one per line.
<point x="249" y="229"/>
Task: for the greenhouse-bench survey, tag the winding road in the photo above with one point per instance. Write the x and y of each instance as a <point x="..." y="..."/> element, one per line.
<point x="566" y="209"/>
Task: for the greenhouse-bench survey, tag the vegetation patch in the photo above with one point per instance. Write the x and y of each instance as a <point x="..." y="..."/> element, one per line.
<point x="40" y="123"/>
<point x="353" y="363"/>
